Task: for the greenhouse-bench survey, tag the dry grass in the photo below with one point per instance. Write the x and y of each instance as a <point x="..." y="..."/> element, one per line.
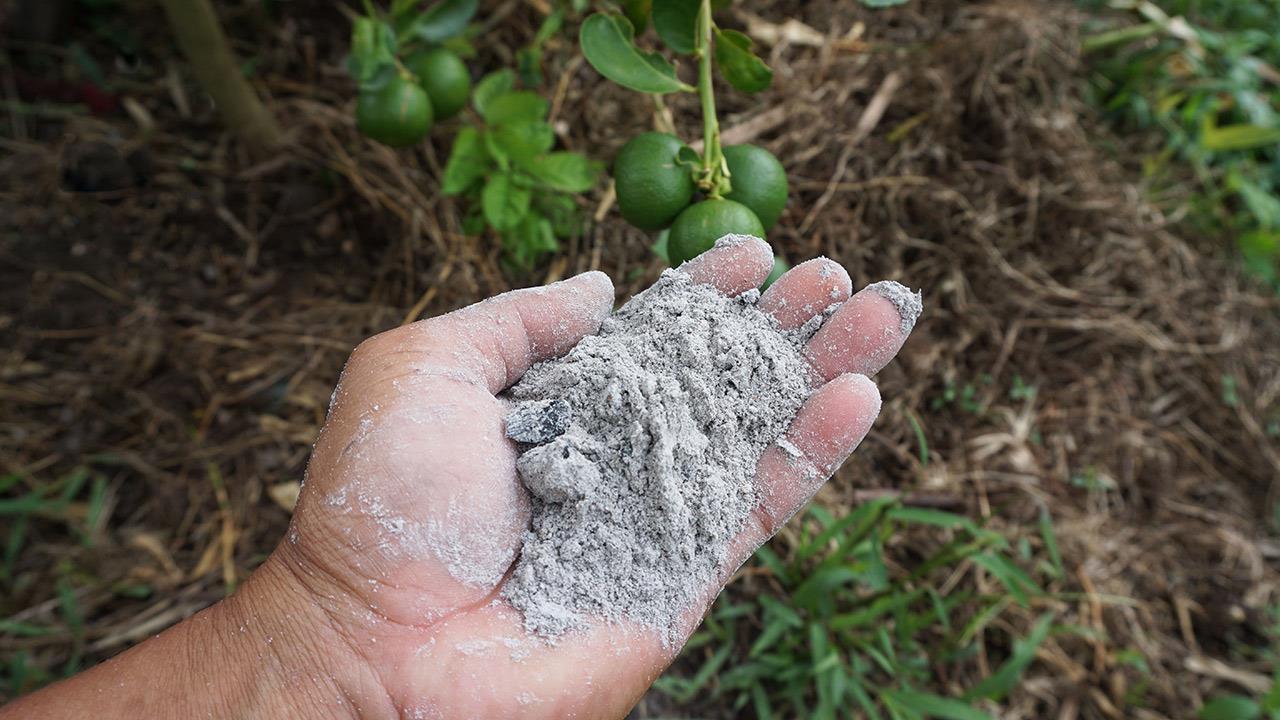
<point x="181" y="339"/>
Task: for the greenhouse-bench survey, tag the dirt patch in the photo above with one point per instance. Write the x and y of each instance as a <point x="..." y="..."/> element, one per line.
<point x="180" y="336"/>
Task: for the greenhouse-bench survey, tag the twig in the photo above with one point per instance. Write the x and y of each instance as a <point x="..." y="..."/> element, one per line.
<point x="866" y="124"/>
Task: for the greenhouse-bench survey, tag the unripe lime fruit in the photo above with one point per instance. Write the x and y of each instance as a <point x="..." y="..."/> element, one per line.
<point x="397" y="114"/>
<point x="652" y="188"/>
<point x="445" y="78"/>
<point x="702" y="224"/>
<point x="759" y="181"/>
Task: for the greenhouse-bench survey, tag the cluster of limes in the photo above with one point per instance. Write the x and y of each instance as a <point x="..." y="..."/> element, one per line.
<point x="656" y="191"/>
<point x="433" y="85"/>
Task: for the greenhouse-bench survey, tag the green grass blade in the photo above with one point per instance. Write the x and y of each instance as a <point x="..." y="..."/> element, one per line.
<point x="850" y="529"/>
<point x="938" y="518"/>
<point x="21" y="629"/>
<point x="933" y="705"/>
<point x="1051" y="543"/>
<point x="822" y="583"/>
<point x="1230" y="707"/>
<point x="1012" y="577"/>
<point x="1007" y="676"/>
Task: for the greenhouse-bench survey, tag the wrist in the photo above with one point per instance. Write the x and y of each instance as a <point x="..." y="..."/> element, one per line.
<point x="268" y="651"/>
<point x="281" y="654"/>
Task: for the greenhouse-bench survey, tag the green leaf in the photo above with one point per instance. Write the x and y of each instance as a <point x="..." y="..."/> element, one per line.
<point x="1017" y="582"/>
<point x="13" y="546"/>
<point x="562" y="211"/>
<point x="1007" y="676"/>
<point x="1271" y="701"/>
<point x="675" y="21"/>
<point x="505" y="203"/>
<point x="468" y="162"/>
<point x="926" y="516"/>
<point x="606" y="42"/>
<point x="522" y="142"/>
<point x="872" y="612"/>
<point x="496" y="151"/>
<point x="495" y="84"/>
<point x="513" y="107"/>
<point x="1259" y="250"/>
<point x="565" y="171"/>
<point x="659" y="248"/>
<point x="1051" y="543"/>
<point x="1230" y="707"/>
<point x="738" y="64"/>
<point x="441" y="21"/>
<point x="706" y="672"/>
<point x="849" y="529"/>
<point x="1237" y="137"/>
<point x="373" y="52"/>
<point x="933" y="705"/>
<point x="529" y="240"/>
<point x="1262" y="204"/>
<point x="21" y="629"/>
<point x="401" y="8"/>
<point x="637" y="11"/>
<point x="821" y="583"/>
<point x="529" y="63"/>
<point x="689" y="157"/>
<point x="460" y="46"/>
<point x="473" y="220"/>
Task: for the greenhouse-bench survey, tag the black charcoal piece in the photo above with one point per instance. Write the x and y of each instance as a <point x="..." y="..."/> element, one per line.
<point x="539" y="421"/>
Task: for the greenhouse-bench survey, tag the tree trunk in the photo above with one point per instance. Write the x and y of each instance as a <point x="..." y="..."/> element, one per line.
<point x="196" y="28"/>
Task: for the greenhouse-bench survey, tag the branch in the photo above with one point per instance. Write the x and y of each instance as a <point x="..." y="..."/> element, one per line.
<point x="196" y="28"/>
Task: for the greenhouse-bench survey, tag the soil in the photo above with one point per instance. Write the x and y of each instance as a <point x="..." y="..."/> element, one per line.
<point x="174" y="315"/>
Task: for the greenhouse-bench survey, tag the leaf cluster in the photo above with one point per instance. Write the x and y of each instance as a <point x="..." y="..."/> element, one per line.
<point x="1203" y="73"/>
<point x="378" y="39"/>
<point x="507" y="167"/>
<point x="608" y="42"/>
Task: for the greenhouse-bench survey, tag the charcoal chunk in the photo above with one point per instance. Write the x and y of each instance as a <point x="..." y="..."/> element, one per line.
<point x="538" y="421"/>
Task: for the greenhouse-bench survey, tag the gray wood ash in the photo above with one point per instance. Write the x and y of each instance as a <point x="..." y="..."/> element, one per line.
<point x="636" y="502"/>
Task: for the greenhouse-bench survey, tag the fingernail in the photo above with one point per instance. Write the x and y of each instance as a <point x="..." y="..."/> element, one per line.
<point x="908" y="304"/>
<point x="734" y="240"/>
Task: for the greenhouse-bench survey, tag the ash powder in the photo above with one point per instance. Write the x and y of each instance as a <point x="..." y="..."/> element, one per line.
<point x="661" y="419"/>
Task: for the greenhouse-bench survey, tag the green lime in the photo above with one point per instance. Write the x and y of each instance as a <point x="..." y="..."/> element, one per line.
<point x="397" y="114"/>
<point x="702" y="224"/>
<point x="759" y="181"/>
<point x="445" y="78"/>
<point x="652" y="188"/>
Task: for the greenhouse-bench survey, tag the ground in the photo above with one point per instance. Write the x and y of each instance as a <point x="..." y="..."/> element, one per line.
<point x="172" y="340"/>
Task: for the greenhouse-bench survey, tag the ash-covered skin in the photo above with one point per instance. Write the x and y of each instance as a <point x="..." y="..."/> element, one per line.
<point x="909" y="304"/>
<point x="636" y="503"/>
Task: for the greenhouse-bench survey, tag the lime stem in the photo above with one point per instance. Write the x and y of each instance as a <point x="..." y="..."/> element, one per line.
<point x="712" y="156"/>
<point x="662" y="116"/>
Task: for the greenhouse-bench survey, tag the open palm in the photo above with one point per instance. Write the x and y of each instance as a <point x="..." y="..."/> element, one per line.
<point x="412" y="512"/>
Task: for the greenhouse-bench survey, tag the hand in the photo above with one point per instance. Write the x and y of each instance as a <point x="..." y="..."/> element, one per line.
<point x="412" y="512"/>
<point x="384" y="601"/>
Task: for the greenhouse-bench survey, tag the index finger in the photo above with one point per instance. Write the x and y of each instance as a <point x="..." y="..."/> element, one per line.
<point x="493" y="342"/>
